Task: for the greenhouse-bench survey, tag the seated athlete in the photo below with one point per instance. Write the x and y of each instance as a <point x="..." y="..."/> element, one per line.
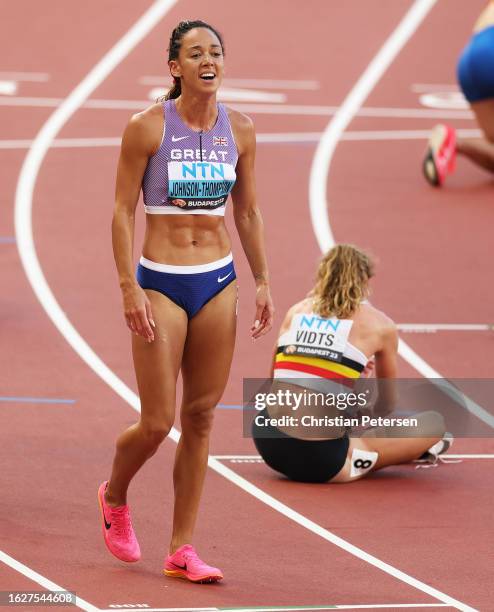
<point x="327" y="342"/>
<point x="476" y="78"/>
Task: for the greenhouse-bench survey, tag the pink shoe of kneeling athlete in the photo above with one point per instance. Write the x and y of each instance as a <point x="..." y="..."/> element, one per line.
<point x="118" y="533"/>
<point x="440" y="157"/>
<point x="184" y="563"/>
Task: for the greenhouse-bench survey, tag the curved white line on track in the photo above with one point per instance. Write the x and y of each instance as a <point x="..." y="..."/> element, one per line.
<point x="27" y="252"/>
<point x="322" y="161"/>
<point x="326" y="148"/>
<point x="27" y="181"/>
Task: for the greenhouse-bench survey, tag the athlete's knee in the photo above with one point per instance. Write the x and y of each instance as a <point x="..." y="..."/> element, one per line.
<point x="432" y="424"/>
<point x="197" y="416"/>
<point x="155" y="431"/>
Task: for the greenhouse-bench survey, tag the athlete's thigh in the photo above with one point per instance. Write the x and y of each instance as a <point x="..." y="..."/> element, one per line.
<point x="157" y="363"/>
<point x="484" y="113"/>
<point x="209" y="348"/>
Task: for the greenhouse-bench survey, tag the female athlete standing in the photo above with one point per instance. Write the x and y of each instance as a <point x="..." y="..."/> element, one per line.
<point x="188" y="152"/>
<point x="476" y="78"/>
<point x="325" y="344"/>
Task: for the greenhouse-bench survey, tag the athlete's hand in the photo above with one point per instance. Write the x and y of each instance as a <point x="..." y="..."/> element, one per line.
<point x="263" y="321"/>
<point x="137" y="312"/>
<point x="369" y="368"/>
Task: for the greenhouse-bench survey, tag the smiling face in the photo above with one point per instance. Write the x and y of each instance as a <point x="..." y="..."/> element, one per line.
<point x="200" y="61"/>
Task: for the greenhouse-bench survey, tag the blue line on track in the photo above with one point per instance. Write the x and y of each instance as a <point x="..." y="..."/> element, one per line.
<point x="230" y="406"/>
<point x="36" y="400"/>
<point x="7" y="240"/>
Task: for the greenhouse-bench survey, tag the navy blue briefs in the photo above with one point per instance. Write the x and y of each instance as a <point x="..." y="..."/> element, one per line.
<point x="300" y="460"/>
<point x="190" y="287"/>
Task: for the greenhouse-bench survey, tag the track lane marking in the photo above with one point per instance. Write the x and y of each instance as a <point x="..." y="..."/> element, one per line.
<point x="285" y="608"/>
<point x="285" y="109"/>
<point x="42" y="581"/>
<point x="259" y="458"/>
<point x="35" y="400"/>
<point x="322" y="160"/>
<point x="34" y="273"/>
<point x="262" y="138"/>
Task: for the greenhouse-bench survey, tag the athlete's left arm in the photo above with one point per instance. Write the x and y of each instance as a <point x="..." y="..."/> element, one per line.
<point x="248" y="221"/>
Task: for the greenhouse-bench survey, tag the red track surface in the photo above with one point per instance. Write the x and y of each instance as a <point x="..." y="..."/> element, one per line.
<point x="435" y="254"/>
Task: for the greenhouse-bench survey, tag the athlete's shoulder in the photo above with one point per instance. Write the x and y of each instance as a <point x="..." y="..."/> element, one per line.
<point x="240" y="120"/>
<point x="144" y="129"/>
<point x="302" y="307"/>
<point x="242" y="126"/>
<point x="379" y="319"/>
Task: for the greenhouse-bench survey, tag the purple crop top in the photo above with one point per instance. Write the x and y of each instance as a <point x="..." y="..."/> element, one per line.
<point x="192" y="172"/>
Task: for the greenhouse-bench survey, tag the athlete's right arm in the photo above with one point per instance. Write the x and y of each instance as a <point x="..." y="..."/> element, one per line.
<point x="135" y="151"/>
<point x="386" y="370"/>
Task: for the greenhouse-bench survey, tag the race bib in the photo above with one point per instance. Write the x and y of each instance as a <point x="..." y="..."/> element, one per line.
<point x="312" y="336"/>
<point x="196" y="185"/>
<point x="362" y="462"/>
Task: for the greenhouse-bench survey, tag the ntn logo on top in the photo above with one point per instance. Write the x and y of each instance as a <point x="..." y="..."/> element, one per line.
<point x="178" y="171"/>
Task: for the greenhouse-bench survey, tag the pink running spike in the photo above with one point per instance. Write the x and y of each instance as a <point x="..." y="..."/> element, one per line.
<point x="440" y="158"/>
<point x="184" y="563"/>
<point x="118" y="533"/>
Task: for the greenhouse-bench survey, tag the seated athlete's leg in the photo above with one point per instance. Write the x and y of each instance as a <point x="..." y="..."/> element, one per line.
<point x="480" y="150"/>
<point x="156" y="365"/>
<point x="206" y="364"/>
<point x="394" y="450"/>
<point x="390" y="449"/>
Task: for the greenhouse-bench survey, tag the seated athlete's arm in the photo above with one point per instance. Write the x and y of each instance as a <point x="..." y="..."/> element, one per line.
<point x="248" y="220"/>
<point x="138" y="143"/>
<point x="387" y="369"/>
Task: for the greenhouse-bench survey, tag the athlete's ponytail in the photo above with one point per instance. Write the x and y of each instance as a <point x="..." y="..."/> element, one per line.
<point x="342" y="281"/>
<point x="174" y="48"/>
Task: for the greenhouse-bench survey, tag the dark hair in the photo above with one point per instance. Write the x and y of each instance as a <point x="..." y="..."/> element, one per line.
<point x="174" y="48"/>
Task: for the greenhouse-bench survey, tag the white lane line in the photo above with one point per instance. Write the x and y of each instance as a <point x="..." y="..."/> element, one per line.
<point x="42" y="581"/>
<point x="256" y="83"/>
<point x="7" y="88"/>
<point x="256" y="458"/>
<point x="325" y="150"/>
<point x="30" y="101"/>
<point x="226" y="457"/>
<point x="266" y="138"/>
<point x="435" y="327"/>
<point x="29" y="173"/>
<point x="232" y="95"/>
<point x="64" y="143"/>
<point x="270" y="109"/>
<point x="34" y="77"/>
<point x="322" y="161"/>
<point x="429" y="88"/>
<point x="451" y="456"/>
<point x="285" y="608"/>
<point x="345" y="114"/>
<point x="27" y="252"/>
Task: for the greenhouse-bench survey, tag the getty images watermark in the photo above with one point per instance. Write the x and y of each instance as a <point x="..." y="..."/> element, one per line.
<point x="305" y="399"/>
<point x="394" y="407"/>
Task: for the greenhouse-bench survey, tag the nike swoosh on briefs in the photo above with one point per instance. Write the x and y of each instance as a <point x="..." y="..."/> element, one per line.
<point x="177" y="138"/>
<point x="220" y="280"/>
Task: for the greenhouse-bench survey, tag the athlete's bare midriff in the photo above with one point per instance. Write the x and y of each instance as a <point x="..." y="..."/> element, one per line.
<point x="185" y="240"/>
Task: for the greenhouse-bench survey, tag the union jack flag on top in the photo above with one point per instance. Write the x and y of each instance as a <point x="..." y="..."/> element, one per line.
<point x="220" y="141"/>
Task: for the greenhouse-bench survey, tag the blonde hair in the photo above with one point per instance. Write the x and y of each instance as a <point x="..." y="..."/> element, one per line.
<point x="342" y="281"/>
